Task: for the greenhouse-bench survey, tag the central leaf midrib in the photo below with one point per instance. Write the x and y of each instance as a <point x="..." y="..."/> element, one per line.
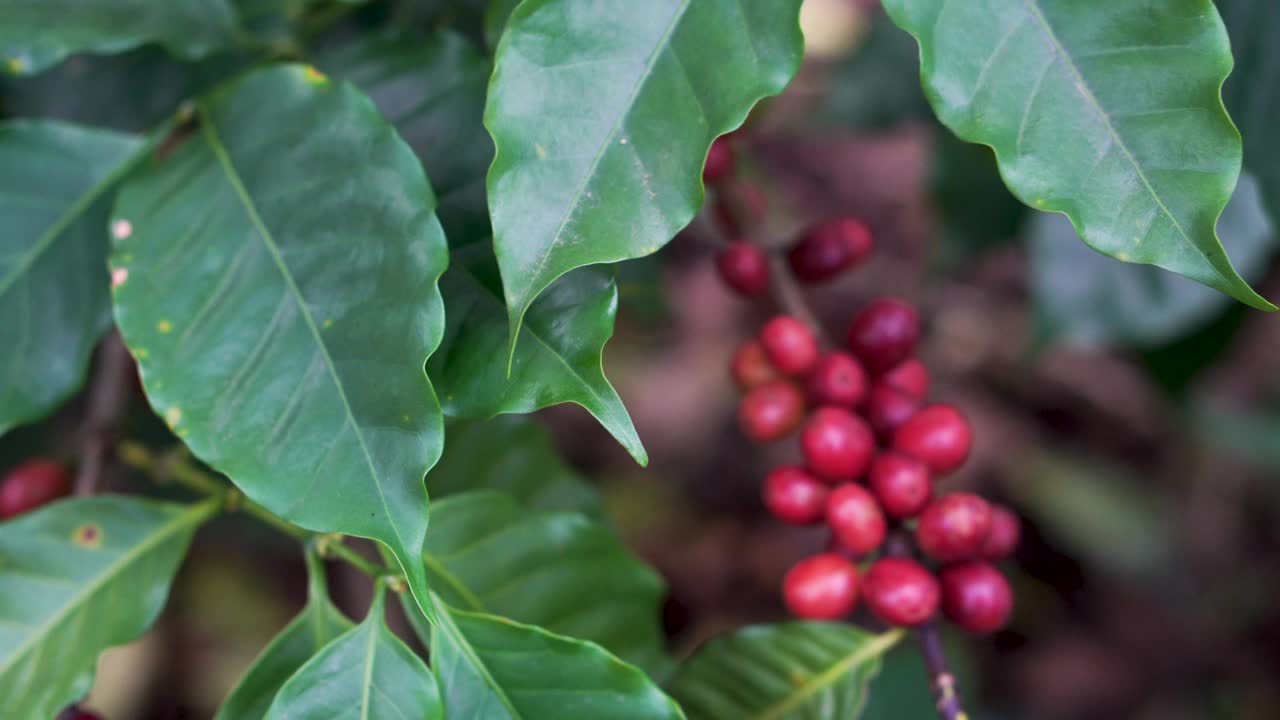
<point x="874" y="647"/>
<point x="268" y="240"/>
<point x="464" y="646"/>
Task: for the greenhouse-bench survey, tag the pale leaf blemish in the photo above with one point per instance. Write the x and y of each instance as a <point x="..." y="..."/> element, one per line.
<point x="141" y="353"/>
<point x="173" y="416"/>
<point x="118" y="276"/>
<point x="1038" y="202"/>
<point x="542" y="152"/>
<point x="328" y="322"/>
<point x="87" y="536"/>
<point x="15" y="65"/>
<point x="623" y="141"/>
<point x="314" y="76"/>
<point x="1123" y="257"/>
<point x="164" y="326"/>
<point x="121" y="229"/>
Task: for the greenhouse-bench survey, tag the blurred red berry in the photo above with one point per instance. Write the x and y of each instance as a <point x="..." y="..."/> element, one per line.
<point x="750" y="367"/>
<point x="837" y="445"/>
<point x="78" y="713"/>
<point x="1006" y="533"/>
<point x="910" y="376"/>
<point x="739" y="205"/>
<point x="954" y="527"/>
<point x="828" y="248"/>
<point x="744" y="268"/>
<point x="900" y="592"/>
<point x="976" y="597"/>
<point x="939" y="435"/>
<point x="838" y="380"/>
<point x="720" y="161"/>
<point x="884" y="334"/>
<point x="823" y="587"/>
<point x="795" y="496"/>
<point x="901" y="483"/>
<point x="888" y="409"/>
<point x="771" y="411"/>
<point x="32" y="484"/>
<point x="855" y="518"/>
<point x="789" y="344"/>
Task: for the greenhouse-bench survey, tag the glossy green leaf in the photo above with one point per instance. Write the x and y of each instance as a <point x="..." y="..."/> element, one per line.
<point x="1083" y="297"/>
<point x="35" y="35"/>
<point x="432" y="89"/>
<point x="1108" y="112"/>
<point x="557" y="358"/>
<point x="561" y="571"/>
<point x="498" y="669"/>
<point x="529" y="469"/>
<point x="602" y="114"/>
<point x="77" y="577"/>
<point x="1252" y="93"/>
<point x="366" y="674"/>
<point x="56" y="185"/>
<point x="809" y="670"/>
<point x="316" y="626"/>
<point x="276" y="280"/>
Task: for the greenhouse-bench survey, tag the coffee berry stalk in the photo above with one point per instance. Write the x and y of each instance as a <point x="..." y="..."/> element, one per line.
<point x="873" y="449"/>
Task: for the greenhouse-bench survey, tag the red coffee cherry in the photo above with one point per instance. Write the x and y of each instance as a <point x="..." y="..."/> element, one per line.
<point x="901" y="483"/>
<point x="900" y="592"/>
<point x="789" y="344"/>
<point x="888" y="409"/>
<point x="823" y="587"/>
<point x="855" y="518"/>
<point x="720" y="161"/>
<point x="837" y="445"/>
<point x="976" y="597"/>
<point x="884" y="334"/>
<point x="1006" y="533"/>
<point x="771" y="411"/>
<point x="910" y="376"/>
<point x="750" y="367"/>
<point x="939" y="435"/>
<point x="78" y="713"/>
<point x="739" y="204"/>
<point x="838" y="380"/>
<point x="954" y="527"/>
<point x="744" y="268"/>
<point x="32" y="484"/>
<point x="795" y="496"/>
<point x="828" y="248"/>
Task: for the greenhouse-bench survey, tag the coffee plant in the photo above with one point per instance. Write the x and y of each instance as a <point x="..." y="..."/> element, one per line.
<point x="338" y="246"/>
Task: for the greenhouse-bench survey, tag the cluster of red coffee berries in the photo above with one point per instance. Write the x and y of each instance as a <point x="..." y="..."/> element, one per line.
<point x="32" y="484"/>
<point x="873" y="448"/>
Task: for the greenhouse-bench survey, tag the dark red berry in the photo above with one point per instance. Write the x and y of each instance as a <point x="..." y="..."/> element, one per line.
<point x="739" y="205"/>
<point x="901" y="483"/>
<point x="976" y="597"/>
<point x="939" y="435"/>
<point x="795" y="496"/>
<point x="78" y="713"/>
<point x="1006" y="532"/>
<point x="32" y="484"/>
<point x="954" y="527"/>
<point x="900" y="592"/>
<point x="744" y="268"/>
<point x="719" y="161"/>
<point x="838" y="380"/>
<point x="884" y="334"/>
<point x="771" y="411"/>
<point x="855" y="518"/>
<point x="823" y="587"/>
<point x="888" y="409"/>
<point x="910" y="376"/>
<point x="789" y="344"/>
<point x="750" y="367"/>
<point x="828" y="248"/>
<point x="837" y="445"/>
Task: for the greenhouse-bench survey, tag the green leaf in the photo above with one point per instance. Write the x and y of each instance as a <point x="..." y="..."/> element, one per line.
<point x="1108" y="112"/>
<point x="789" y="670"/>
<point x="602" y="114"/>
<point x="366" y="673"/>
<point x="497" y="669"/>
<point x="277" y="283"/>
<point x="558" y="357"/>
<point x="1083" y="297"/>
<point x="56" y="184"/>
<point x="529" y="468"/>
<point x="561" y="571"/>
<point x="36" y="35"/>
<point x="77" y="577"/>
<point x="1252" y="93"/>
<point x="316" y="626"/>
<point x="432" y="89"/>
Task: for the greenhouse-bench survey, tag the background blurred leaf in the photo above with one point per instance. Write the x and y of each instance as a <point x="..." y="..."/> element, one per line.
<point x="978" y="212"/>
<point x="1252" y="92"/>
<point x="878" y="85"/>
